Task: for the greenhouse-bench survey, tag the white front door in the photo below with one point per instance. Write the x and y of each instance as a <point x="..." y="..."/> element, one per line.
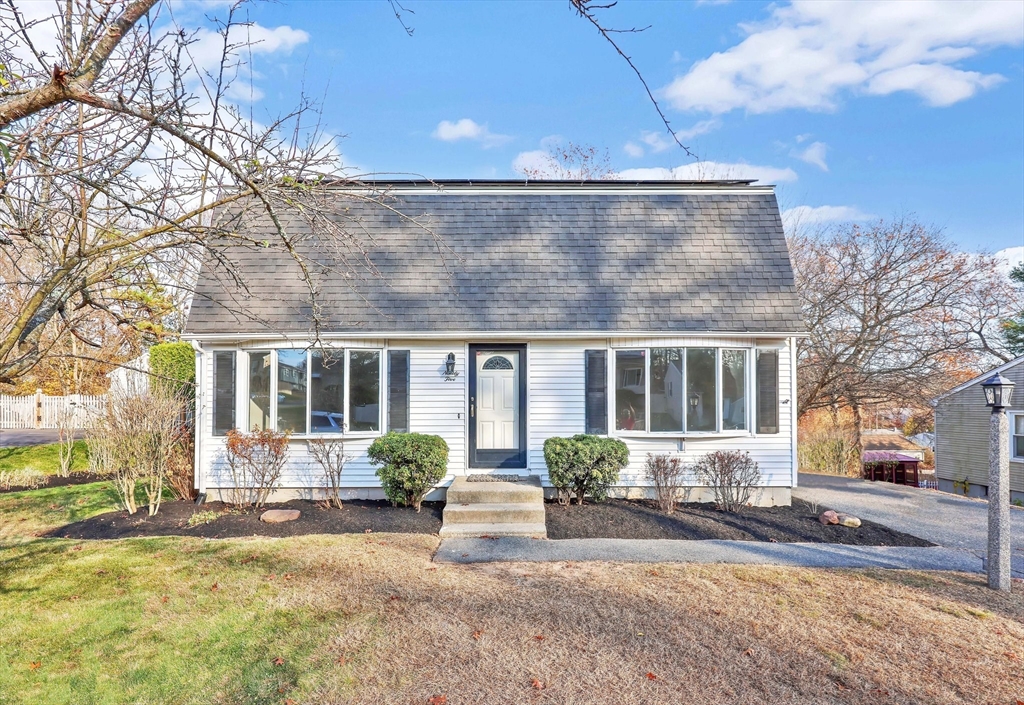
<point x="497" y="408"/>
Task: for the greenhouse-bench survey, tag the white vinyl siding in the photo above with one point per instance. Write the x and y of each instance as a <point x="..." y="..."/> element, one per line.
<point x="556" y="406"/>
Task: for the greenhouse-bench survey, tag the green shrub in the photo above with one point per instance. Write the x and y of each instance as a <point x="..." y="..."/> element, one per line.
<point x="173" y="366"/>
<point x="411" y="464"/>
<point x="584" y="465"/>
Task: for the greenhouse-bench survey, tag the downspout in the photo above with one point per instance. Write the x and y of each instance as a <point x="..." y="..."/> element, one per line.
<point x="793" y="411"/>
<point x="200" y="477"/>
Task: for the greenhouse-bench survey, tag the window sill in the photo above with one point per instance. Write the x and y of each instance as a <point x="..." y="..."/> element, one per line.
<point x="681" y="435"/>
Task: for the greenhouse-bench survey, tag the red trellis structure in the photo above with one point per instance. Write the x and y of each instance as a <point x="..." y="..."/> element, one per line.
<point x="886" y="466"/>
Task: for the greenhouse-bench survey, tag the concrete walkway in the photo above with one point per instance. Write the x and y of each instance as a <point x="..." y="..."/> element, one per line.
<point x="958" y="525"/>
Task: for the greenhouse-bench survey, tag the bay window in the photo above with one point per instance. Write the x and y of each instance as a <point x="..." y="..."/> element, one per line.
<point x="302" y="391"/>
<point x="691" y="390"/>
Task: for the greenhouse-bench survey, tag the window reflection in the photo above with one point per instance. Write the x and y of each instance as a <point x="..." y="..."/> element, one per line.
<point x="734" y="380"/>
<point x="259" y="390"/>
<point x="630" y="390"/>
<point x="666" y="389"/>
<point x="700" y="389"/>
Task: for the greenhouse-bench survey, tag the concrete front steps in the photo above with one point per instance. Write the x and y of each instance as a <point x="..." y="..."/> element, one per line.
<point x="474" y="509"/>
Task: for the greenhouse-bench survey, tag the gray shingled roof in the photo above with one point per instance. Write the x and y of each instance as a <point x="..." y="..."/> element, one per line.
<point x="527" y="261"/>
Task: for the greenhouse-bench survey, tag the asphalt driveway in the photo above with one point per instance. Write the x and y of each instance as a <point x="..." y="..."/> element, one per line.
<point x="13" y="437"/>
<point x="939" y="517"/>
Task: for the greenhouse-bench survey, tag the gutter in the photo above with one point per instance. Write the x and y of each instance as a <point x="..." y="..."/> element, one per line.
<point x="487" y="335"/>
<point x="200" y="478"/>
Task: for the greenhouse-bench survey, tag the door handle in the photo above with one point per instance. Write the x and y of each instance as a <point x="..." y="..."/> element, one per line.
<point x="472" y="407"/>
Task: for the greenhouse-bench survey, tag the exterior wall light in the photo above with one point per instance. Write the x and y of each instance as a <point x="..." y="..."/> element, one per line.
<point x="450" y="373"/>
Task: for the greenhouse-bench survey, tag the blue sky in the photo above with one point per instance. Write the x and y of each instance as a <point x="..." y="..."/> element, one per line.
<point x="854" y="110"/>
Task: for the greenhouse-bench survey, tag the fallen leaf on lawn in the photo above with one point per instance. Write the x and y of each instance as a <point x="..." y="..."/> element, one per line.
<point x="164" y="598"/>
<point x="748" y="652"/>
<point x="438" y="700"/>
<point x="215" y="587"/>
<point x="653" y="572"/>
<point x="536" y="684"/>
<point x="650" y="676"/>
<point x="841" y="686"/>
<point x="395" y="597"/>
<point x="1010" y="655"/>
<point x="73" y="598"/>
<point x="35" y="664"/>
<point x="287" y="576"/>
<point x="77" y="548"/>
<point x="101" y="572"/>
<point x="341" y="660"/>
<point x="477" y="634"/>
<point x="271" y="576"/>
<point x="539" y="637"/>
<point x="279" y="661"/>
<point x="289" y="701"/>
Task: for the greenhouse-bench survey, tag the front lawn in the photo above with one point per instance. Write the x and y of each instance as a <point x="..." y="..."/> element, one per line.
<point x="43" y="458"/>
<point x="33" y="512"/>
<point x="369" y="618"/>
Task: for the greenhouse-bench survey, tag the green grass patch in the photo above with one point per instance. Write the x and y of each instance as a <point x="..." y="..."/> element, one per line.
<point x="28" y="513"/>
<point x="45" y="458"/>
<point x="168" y="620"/>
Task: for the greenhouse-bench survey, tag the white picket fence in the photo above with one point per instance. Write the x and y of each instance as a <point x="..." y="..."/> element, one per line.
<point x="41" y="411"/>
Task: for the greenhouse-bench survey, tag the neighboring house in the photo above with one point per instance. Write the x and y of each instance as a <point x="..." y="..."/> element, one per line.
<point x="132" y="377"/>
<point x="888" y="441"/>
<point x="962" y="435"/>
<point x="661" y="313"/>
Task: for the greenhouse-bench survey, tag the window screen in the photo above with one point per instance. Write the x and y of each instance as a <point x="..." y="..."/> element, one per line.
<point x="596" y="392"/>
<point x="223" y="392"/>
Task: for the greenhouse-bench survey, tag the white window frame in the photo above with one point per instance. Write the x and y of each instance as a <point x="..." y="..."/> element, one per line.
<point x="242" y="391"/>
<point x="719" y="431"/>
<point x="1012" y="417"/>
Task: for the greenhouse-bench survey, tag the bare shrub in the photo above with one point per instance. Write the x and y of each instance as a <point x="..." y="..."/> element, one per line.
<point x="26" y="477"/>
<point x="66" y="438"/>
<point x="330" y="456"/>
<point x="830" y="450"/>
<point x="132" y="443"/>
<point x="732" y="476"/>
<point x="666" y="472"/>
<point x="256" y="461"/>
<point x="181" y="463"/>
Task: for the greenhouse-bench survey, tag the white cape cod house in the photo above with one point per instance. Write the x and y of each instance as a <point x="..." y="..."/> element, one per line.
<point x="661" y="313"/>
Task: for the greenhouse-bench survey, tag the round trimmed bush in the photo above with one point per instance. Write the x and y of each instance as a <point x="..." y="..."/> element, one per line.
<point x="584" y="465"/>
<point x="411" y="464"/>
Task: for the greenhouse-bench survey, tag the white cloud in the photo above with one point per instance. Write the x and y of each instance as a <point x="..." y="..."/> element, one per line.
<point x="813" y="154"/>
<point x="709" y="171"/>
<point x="532" y="162"/>
<point x="809" y="53"/>
<point x="1012" y="256"/>
<point x="207" y="49"/>
<point x="633" y="149"/>
<point x="803" y="216"/>
<point x="466" y="129"/>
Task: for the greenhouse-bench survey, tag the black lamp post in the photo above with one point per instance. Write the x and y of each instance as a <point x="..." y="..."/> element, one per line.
<point x="998" y="391"/>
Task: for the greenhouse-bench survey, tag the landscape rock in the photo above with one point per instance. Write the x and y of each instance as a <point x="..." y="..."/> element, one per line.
<point x="278" y="516"/>
<point x="849" y="520"/>
<point x="829" y="517"/>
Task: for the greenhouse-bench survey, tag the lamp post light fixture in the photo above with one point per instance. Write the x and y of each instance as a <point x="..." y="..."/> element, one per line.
<point x="450" y="373"/>
<point x="998" y="391"/>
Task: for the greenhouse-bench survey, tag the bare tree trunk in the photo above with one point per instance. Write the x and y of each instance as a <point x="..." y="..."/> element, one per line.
<point x="858" y="430"/>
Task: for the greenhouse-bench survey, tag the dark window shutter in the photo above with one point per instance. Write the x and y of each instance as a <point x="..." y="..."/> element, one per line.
<point x="398" y="390"/>
<point x="767" y="391"/>
<point x="597" y="392"/>
<point x="223" y="392"/>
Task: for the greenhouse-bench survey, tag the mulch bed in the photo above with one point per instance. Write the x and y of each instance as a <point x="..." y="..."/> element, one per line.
<point x="356" y="517"/>
<point x="641" y="519"/>
<point x="75" y="478"/>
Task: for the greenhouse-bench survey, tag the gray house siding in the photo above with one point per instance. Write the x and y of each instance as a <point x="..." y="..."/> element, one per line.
<point x="961" y="437"/>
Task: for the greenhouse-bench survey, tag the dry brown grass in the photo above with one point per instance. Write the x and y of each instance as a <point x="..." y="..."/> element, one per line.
<point x="370" y="619"/>
<point x="708" y="634"/>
